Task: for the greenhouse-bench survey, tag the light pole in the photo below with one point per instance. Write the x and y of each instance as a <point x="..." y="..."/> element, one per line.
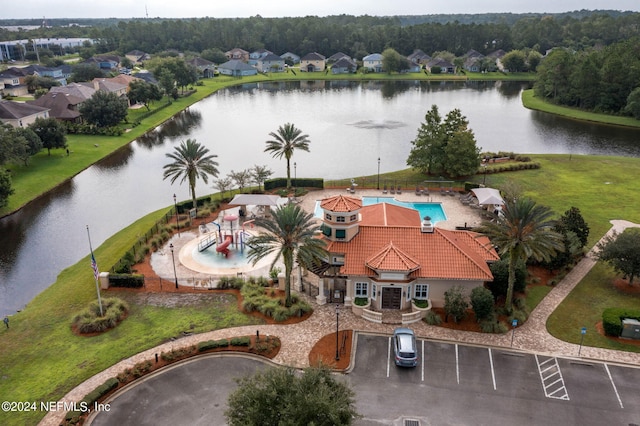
<point x="378" y="173"/>
<point x="295" y="177"/>
<point x="175" y="204"/>
<point x="337" y="326"/>
<point x="173" y="260"/>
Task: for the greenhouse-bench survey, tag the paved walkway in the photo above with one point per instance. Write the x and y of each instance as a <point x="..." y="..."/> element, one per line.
<point x="298" y="339"/>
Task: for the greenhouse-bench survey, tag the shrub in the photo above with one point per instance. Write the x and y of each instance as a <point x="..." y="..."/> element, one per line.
<point x="455" y="304"/>
<point x="90" y="321"/>
<point x="361" y="301"/>
<point x="240" y="341"/>
<point x="421" y="303"/>
<point x="126" y="280"/>
<point x="492" y="325"/>
<point x="482" y="303"/>
<point x="212" y="344"/>
<point x="433" y="318"/>
<point x="175" y="354"/>
<point x="500" y="271"/>
<point x="612" y="319"/>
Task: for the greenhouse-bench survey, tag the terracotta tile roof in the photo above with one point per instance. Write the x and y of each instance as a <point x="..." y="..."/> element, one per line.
<point x="451" y="255"/>
<point x="386" y="214"/>
<point x="391" y="258"/>
<point x="341" y="204"/>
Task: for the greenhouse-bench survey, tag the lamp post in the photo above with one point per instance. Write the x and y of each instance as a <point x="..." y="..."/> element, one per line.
<point x="175" y="204"/>
<point x="337" y="326"/>
<point x="173" y="260"/>
<point x="378" y="173"/>
<point x="295" y="177"/>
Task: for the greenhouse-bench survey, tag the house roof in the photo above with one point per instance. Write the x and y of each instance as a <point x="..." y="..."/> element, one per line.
<point x="391" y="258"/>
<point x="338" y="55"/>
<point x="10" y="110"/>
<point x="236" y="65"/>
<point x="385" y="214"/>
<point x="439" y="62"/>
<point x="83" y="91"/>
<point x="441" y="254"/>
<point x="270" y="57"/>
<point x="344" y="63"/>
<point x="341" y="204"/>
<point x="200" y="62"/>
<point x="59" y="104"/>
<point x="373" y="57"/>
<point x="418" y="55"/>
<point x="313" y="56"/>
<point x="109" y="84"/>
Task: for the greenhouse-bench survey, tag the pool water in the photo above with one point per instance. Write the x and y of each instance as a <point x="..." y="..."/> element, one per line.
<point x="433" y="210"/>
<point x="237" y="258"/>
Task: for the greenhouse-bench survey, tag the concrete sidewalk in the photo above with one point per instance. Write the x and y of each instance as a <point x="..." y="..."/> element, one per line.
<point x="298" y="339"/>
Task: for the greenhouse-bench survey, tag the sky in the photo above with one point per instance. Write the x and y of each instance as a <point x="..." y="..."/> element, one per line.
<point x="281" y="8"/>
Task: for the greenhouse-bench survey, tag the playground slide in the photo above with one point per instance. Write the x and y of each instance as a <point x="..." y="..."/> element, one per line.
<point x="223" y="247"/>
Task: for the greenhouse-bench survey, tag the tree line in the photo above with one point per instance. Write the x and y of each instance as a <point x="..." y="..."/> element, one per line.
<point x="356" y="36"/>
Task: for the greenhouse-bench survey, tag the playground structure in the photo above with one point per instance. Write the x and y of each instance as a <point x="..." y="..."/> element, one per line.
<point x="224" y="238"/>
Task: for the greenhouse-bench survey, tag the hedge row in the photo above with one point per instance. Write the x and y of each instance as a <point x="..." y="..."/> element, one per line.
<point x="94" y="396"/>
<point x="612" y="319"/>
<point x="212" y="344"/>
<point x="299" y="182"/>
<point x="126" y="280"/>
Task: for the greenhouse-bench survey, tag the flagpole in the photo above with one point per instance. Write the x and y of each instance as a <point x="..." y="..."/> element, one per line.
<point x="94" y="265"/>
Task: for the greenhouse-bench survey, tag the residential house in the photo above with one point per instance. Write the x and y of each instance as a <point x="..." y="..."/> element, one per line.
<point x="344" y="65"/>
<point x="373" y="62"/>
<point x="62" y="106"/>
<point x="497" y="56"/>
<point x="290" y="58"/>
<point x="390" y="256"/>
<point x="446" y="67"/>
<point x="83" y="91"/>
<point x="55" y="73"/>
<point x="147" y="76"/>
<point x="20" y="114"/>
<point x="336" y="57"/>
<point x="206" y="69"/>
<point x="473" y="61"/>
<point x="137" y="56"/>
<point x="413" y="66"/>
<point x="237" y="68"/>
<point x="313" y="62"/>
<point x="111" y="85"/>
<point x="14" y="82"/>
<point x="270" y="63"/>
<point x="238" y="54"/>
<point x="419" y="57"/>
<point x="104" y="62"/>
<point x="257" y="55"/>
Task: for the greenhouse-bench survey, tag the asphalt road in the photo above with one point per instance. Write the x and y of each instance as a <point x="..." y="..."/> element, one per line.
<point x="452" y="385"/>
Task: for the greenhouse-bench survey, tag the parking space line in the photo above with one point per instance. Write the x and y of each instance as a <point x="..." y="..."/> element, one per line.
<point x="422" y="363"/>
<point x="457" y="365"/>
<point x="388" y="356"/>
<point x="551" y="378"/>
<point x="615" y="389"/>
<point x="493" y="373"/>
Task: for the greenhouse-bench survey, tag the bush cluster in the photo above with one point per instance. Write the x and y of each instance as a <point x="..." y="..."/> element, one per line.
<point x="271" y="184"/>
<point x="255" y="299"/>
<point x="90" y="321"/>
<point x="126" y="280"/>
<point x="73" y="417"/>
<point x="89" y="129"/>
<point x="175" y="354"/>
<point x="612" y="319"/>
<point x="138" y="370"/>
<point x="212" y="344"/>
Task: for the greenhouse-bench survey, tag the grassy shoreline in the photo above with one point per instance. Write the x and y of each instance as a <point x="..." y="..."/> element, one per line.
<point x="530" y="101"/>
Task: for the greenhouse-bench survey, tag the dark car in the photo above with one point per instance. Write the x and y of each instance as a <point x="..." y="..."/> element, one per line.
<point x="404" y="347"/>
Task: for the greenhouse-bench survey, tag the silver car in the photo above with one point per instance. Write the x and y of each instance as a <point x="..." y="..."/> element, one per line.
<point x="404" y="347"/>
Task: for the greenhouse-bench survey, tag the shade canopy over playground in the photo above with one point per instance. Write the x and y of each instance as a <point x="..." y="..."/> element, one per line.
<point x="488" y="196"/>
<point x="255" y="200"/>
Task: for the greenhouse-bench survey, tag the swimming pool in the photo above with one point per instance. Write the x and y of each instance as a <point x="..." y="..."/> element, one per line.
<point x="433" y="210"/>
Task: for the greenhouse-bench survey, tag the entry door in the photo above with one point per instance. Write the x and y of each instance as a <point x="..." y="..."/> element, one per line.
<point x="391" y="297"/>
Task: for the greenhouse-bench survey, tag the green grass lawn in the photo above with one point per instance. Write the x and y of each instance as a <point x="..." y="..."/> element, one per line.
<point x="41" y="359"/>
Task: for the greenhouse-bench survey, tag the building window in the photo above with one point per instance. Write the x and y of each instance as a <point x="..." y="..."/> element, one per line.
<point x="340" y="219"/>
<point x="374" y="290"/>
<point x="362" y="289"/>
<point x="409" y="292"/>
<point x="353" y="218"/>
<point x="341" y="233"/>
<point x="326" y="230"/>
<point x="327" y="216"/>
<point x="422" y="291"/>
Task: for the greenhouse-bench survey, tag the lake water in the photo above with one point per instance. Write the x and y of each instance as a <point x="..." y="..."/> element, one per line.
<point x="350" y="125"/>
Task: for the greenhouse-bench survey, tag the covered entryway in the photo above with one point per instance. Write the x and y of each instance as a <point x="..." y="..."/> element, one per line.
<point x="391" y="297"/>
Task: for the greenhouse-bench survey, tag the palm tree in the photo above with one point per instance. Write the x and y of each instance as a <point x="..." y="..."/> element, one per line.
<point x="524" y="230"/>
<point x="290" y="234"/>
<point x="191" y="161"/>
<point x="287" y="139"/>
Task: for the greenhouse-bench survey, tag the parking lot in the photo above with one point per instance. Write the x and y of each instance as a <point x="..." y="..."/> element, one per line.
<point x="460" y="384"/>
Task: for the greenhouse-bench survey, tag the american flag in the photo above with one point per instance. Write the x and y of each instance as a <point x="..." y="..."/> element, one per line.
<point x="94" y="266"/>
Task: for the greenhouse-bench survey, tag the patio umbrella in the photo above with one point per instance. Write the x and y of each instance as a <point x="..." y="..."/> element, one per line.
<point x="488" y="196"/>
